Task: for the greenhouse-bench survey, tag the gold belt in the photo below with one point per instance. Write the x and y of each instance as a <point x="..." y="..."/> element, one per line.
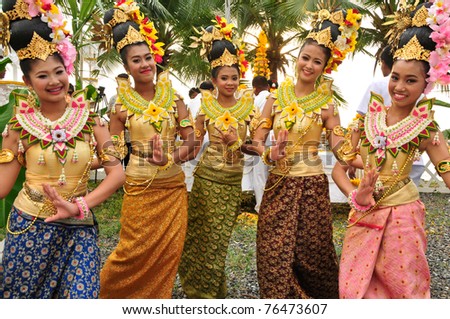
<point x="38" y="197"/>
<point x="141" y="154"/>
<point x="399" y="185"/>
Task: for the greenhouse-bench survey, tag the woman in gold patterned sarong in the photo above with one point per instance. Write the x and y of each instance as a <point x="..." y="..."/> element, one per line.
<point x="214" y="201"/>
<point x="295" y="252"/>
<point x="154" y="209"/>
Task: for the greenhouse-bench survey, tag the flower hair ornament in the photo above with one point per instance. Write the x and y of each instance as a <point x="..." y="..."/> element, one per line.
<point x="129" y="11"/>
<point x="221" y="31"/>
<point x="437" y="18"/>
<point x="345" y="42"/>
<point x="439" y="21"/>
<point x="39" y="48"/>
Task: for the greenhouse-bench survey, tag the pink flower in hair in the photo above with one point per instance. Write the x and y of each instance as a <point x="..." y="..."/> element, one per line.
<point x="33" y="8"/>
<point x="68" y="54"/>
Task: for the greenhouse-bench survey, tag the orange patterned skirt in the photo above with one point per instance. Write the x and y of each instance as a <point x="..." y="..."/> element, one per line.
<point x="153" y="227"/>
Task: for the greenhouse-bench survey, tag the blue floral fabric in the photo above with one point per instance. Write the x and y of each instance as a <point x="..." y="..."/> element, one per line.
<point x="49" y="260"/>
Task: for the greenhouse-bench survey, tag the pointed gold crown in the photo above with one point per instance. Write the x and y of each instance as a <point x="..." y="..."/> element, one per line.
<point x="132" y="36"/>
<point x="401" y="20"/>
<point x="38" y="48"/>
<point x="20" y="11"/>
<point x="322" y="37"/>
<point x="226" y="58"/>
<point x="413" y="50"/>
<point x="420" y="17"/>
<point x="119" y="16"/>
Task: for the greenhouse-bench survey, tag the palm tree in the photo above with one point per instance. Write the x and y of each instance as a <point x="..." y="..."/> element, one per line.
<point x="81" y="14"/>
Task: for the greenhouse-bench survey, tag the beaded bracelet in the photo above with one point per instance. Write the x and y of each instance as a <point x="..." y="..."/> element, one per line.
<point x="265" y="156"/>
<point x="235" y="146"/>
<point x="353" y="204"/>
<point x="168" y="164"/>
<point x="82" y="207"/>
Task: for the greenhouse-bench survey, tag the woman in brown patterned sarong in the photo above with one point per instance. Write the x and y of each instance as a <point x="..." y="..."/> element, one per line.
<point x="295" y="252"/>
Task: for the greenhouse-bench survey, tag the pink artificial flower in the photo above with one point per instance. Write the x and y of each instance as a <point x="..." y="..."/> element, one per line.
<point x="68" y="54"/>
<point x="33" y="9"/>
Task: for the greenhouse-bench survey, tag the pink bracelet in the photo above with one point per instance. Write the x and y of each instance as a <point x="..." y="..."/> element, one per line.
<point x="353" y="204"/>
<point x="82" y="207"/>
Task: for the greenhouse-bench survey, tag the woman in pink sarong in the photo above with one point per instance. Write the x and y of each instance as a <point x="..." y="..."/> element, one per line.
<point x="383" y="254"/>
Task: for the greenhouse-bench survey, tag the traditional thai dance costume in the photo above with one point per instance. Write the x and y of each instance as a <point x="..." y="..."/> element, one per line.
<point x="154" y="209"/>
<point x="295" y="252"/>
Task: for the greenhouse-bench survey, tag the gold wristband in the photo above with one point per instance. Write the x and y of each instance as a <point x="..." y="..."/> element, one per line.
<point x="235" y="146"/>
<point x="265" y="123"/>
<point x="266" y="157"/>
<point x="443" y="167"/>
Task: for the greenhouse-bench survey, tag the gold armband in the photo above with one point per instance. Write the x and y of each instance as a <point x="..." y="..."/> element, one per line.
<point x="6" y="156"/>
<point x="265" y="123"/>
<point x="168" y="164"/>
<point x="120" y="146"/>
<point x="265" y="156"/>
<point x="443" y="167"/>
<point x="189" y="121"/>
<point x="110" y="151"/>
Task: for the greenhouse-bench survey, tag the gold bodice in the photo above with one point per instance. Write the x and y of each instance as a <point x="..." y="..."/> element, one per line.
<point x="144" y="120"/>
<point x="302" y="117"/>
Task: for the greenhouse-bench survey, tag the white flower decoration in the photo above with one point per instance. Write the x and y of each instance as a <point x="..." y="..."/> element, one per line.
<point x="59" y="135"/>
<point x="379" y="142"/>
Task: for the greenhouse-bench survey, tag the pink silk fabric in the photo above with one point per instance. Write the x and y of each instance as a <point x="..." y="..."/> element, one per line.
<point x="383" y="256"/>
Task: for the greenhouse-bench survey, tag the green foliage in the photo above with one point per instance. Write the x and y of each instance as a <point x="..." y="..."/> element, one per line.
<point x="6" y="112"/>
<point x="3" y="63"/>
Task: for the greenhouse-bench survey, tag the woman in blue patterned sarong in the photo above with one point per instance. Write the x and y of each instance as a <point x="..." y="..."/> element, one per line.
<point x="51" y="247"/>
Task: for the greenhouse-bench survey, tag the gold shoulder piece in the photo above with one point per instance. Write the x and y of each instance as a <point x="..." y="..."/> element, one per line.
<point x="6" y="156"/>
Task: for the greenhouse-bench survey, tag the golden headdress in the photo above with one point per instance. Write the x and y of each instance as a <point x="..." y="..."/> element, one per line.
<point x="220" y="31"/>
<point x="36" y="30"/>
<point x="347" y="22"/>
<point x="420" y="32"/>
<point x="140" y="29"/>
<point x="406" y="17"/>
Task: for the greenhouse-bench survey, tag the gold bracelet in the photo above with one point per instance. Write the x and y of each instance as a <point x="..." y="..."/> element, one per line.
<point x="6" y="156"/>
<point x="443" y="167"/>
<point x="266" y="157"/>
<point x="168" y="164"/>
<point x="235" y="146"/>
<point x="265" y="123"/>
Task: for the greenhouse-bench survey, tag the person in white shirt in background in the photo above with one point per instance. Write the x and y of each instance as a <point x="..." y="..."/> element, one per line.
<point x="194" y="106"/>
<point x="255" y="171"/>
<point x="380" y="86"/>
